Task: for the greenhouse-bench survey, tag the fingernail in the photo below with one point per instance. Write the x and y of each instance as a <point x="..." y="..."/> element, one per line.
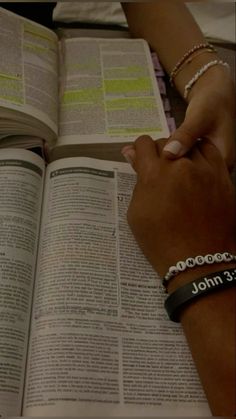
<point x="129" y="155"/>
<point x="127" y="148"/>
<point x="174" y="147"/>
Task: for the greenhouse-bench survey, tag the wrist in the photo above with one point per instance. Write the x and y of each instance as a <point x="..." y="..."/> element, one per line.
<point x="185" y="267"/>
<point x="217" y="73"/>
<point x="218" y="81"/>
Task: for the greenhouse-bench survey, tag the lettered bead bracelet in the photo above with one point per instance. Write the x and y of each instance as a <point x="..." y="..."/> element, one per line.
<point x="197" y="261"/>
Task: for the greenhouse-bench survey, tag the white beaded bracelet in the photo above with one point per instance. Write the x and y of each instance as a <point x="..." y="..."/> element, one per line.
<point x="197" y="261"/>
<point x="199" y="73"/>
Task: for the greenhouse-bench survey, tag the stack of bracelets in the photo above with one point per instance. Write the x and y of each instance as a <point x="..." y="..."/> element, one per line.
<point x="187" y="58"/>
<point x="184" y="295"/>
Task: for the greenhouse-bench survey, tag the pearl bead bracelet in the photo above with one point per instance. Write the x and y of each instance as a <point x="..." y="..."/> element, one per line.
<point x="199" y="73"/>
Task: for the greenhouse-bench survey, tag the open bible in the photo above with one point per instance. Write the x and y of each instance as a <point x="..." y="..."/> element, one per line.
<point x="83" y="330"/>
<point x="75" y="90"/>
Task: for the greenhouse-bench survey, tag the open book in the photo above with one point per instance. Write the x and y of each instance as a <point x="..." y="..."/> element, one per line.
<point x="83" y="330"/>
<point x="74" y="91"/>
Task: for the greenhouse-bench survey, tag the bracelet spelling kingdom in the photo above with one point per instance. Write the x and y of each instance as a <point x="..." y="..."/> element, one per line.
<point x="199" y="260"/>
<point x="184" y="295"/>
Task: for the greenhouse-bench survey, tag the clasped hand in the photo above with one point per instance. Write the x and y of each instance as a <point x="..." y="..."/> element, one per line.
<point x="181" y="208"/>
<point x="210" y="115"/>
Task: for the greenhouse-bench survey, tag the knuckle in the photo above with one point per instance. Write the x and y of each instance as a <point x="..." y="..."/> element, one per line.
<point x="184" y="165"/>
<point x="143" y="138"/>
<point x="194" y="174"/>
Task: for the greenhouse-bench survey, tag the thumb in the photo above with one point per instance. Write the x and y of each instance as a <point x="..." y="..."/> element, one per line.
<point x="183" y="139"/>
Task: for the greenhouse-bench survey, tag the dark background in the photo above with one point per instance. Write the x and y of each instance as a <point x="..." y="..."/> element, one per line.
<point x="39" y="12"/>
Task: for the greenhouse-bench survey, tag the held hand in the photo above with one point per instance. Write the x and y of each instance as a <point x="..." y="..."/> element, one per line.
<point x="210" y="115"/>
<point x="181" y="208"/>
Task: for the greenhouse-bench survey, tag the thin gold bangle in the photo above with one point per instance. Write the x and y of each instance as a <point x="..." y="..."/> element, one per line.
<point x="189" y="60"/>
<point x="187" y="55"/>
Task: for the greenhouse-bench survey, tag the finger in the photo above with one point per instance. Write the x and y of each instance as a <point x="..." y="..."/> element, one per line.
<point x="146" y="155"/>
<point x="225" y="142"/>
<point x="160" y="144"/>
<point x="206" y="154"/>
<point x="184" y="137"/>
<point x="129" y="153"/>
<point x="196" y="156"/>
<point x="211" y="154"/>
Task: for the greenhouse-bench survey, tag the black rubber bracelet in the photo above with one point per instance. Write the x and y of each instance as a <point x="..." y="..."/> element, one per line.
<point x="198" y="288"/>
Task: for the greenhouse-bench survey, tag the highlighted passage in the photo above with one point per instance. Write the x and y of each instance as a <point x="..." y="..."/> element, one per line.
<point x="88" y="67"/>
<point x="36" y="48"/>
<point x="125" y="72"/>
<point x="83" y="95"/>
<point x="130" y="103"/>
<point x="11" y="89"/>
<point x="37" y="32"/>
<point x="129" y="131"/>
<point x="128" y="86"/>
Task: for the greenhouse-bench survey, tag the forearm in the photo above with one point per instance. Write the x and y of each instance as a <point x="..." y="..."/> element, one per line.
<point x="171" y="31"/>
<point x="181" y="209"/>
<point x="210" y="328"/>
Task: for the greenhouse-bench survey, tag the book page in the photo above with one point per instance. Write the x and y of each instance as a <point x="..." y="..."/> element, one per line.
<point x="101" y="343"/>
<point x="21" y="185"/>
<point x="28" y="69"/>
<point x="109" y="93"/>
